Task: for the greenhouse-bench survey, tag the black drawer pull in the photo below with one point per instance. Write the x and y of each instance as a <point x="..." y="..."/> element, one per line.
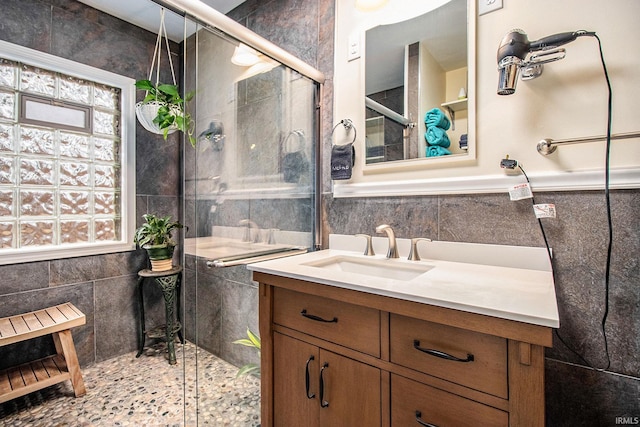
<point x="422" y="423"/>
<point x="306" y="378"/>
<point x="323" y="403"/>
<point x="440" y="354"/>
<point x="317" y="318"/>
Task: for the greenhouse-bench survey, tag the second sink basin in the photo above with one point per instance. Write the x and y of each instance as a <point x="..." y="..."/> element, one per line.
<point x="386" y="268"/>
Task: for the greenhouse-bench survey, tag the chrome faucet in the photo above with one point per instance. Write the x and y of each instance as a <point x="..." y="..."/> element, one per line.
<point x="247" y="237"/>
<point x="393" y="249"/>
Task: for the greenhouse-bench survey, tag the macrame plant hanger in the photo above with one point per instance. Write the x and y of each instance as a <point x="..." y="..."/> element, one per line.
<point x="147" y="111"/>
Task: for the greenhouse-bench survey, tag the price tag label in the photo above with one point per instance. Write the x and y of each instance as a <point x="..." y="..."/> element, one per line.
<point x="520" y="191"/>
<point x="545" y="210"/>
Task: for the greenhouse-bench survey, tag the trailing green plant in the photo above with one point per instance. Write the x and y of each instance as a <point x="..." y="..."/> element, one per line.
<point x="172" y="108"/>
<point x="253" y="341"/>
<point x="156" y="231"/>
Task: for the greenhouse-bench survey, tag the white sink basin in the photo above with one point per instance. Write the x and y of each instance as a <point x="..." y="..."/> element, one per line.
<point x="376" y="267"/>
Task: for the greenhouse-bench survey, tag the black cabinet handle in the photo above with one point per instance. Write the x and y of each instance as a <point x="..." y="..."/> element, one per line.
<point x="441" y="354"/>
<point x="306" y="378"/>
<point x="422" y="423"/>
<point x="317" y="318"/>
<point x="323" y="403"/>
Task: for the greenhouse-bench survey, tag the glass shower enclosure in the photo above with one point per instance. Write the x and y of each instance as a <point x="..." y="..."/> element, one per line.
<point x="249" y="194"/>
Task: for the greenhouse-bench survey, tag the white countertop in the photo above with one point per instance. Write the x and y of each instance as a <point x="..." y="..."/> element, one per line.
<point x="506" y="291"/>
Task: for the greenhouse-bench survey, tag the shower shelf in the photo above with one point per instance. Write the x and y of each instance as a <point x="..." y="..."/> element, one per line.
<point x="452" y="107"/>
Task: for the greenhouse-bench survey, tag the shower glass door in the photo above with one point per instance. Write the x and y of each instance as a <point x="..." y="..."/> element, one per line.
<point x="248" y="192"/>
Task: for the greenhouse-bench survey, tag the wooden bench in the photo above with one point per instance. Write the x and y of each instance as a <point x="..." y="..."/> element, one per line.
<point x="29" y="377"/>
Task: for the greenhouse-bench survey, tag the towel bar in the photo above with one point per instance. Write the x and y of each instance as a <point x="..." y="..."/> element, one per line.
<point x="548" y="145"/>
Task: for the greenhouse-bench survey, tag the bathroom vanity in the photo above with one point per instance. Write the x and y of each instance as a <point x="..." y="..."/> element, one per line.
<point x="354" y="340"/>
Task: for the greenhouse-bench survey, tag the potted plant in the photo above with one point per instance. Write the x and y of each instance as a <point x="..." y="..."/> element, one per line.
<point x="155" y="237"/>
<point x="163" y="110"/>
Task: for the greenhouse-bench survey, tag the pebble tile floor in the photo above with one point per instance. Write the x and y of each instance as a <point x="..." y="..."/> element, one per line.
<point x="125" y="391"/>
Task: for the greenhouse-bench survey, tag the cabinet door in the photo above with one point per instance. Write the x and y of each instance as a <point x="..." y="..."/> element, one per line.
<point x="293" y="362"/>
<point x="350" y="392"/>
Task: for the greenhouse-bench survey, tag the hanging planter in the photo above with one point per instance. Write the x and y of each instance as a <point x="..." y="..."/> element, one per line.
<point x="146" y="114"/>
<point x="162" y="111"/>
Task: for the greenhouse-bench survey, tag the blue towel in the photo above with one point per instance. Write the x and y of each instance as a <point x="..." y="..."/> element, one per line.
<point x="437" y="136"/>
<point x="436" y="118"/>
<point x="436" y="150"/>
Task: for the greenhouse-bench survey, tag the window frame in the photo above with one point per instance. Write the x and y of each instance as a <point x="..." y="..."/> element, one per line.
<point x="126" y="85"/>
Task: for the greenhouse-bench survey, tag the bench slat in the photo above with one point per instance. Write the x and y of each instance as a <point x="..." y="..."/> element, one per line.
<point x="5" y="385"/>
<point x="51" y="367"/>
<point x="44" y="318"/>
<point x="28" y="375"/>
<point x="39" y="323"/>
<point x="15" y="379"/>
<point x="69" y="311"/>
<point x="6" y="329"/>
<point x="39" y="370"/>
<point x="56" y="314"/>
<point x="19" y="325"/>
<point x="32" y="321"/>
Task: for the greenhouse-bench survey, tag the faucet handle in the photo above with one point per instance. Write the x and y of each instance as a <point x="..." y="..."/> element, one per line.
<point x="369" y="250"/>
<point x="413" y="254"/>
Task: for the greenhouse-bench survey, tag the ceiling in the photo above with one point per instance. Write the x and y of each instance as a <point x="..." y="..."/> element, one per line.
<point x="145" y="13"/>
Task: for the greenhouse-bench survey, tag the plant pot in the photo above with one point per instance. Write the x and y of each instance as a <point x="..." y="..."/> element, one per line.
<point x="146" y="112"/>
<point x="161" y="257"/>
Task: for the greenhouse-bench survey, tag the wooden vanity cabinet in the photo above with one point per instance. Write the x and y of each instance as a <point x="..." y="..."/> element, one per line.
<point x="338" y="357"/>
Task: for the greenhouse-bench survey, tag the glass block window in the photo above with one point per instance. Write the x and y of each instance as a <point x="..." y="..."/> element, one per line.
<point x="61" y="151"/>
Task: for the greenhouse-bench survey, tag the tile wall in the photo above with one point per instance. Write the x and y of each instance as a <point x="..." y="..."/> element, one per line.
<point x="101" y="286"/>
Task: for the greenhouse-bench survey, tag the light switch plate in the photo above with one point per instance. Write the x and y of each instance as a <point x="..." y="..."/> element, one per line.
<point x="486" y="6"/>
<point x="354" y="47"/>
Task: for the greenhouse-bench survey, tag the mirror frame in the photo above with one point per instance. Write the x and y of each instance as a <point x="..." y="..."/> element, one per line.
<point x="432" y="162"/>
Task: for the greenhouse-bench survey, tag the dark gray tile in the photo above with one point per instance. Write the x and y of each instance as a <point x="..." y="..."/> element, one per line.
<point x="488" y="218"/>
<point x="408" y="216"/>
<point x="202" y="314"/>
<point x="297" y="33"/>
<point x="18" y="15"/>
<point x="24" y="277"/>
<point x="576" y="396"/>
<point x="116" y="318"/>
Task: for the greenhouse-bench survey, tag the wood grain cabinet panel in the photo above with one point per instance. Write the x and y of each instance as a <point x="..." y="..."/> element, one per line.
<point x="444" y="351"/>
<point x="412" y="402"/>
<point x="315" y="387"/>
<point x="350" y="325"/>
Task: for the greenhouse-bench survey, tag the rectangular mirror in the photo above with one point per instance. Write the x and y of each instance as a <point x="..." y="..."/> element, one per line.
<point x="411" y="68"/>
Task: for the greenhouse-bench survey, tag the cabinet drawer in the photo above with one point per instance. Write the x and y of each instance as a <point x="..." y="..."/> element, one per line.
<point x="411" y="400"/>
<point x="481" y="359"/>
<point x="345" y="324"/>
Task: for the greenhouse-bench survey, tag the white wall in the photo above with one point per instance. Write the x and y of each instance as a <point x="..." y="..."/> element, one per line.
<point x="568" y="100"/>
